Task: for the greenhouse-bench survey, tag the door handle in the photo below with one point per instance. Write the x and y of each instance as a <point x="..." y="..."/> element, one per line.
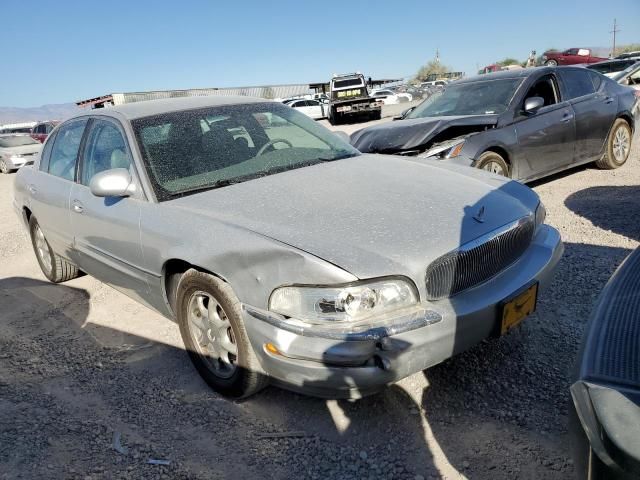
<point x="32" y="189"/>
<point x="77" y="206"/>
<point x="567" y="117"/>
<point x="608" y="100"/>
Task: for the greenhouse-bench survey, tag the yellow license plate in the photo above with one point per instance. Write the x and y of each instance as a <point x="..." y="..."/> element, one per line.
<point x="519" y="307"/>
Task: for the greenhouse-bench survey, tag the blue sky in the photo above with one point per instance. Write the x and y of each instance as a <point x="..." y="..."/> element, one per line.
<point x="67" y="50"/>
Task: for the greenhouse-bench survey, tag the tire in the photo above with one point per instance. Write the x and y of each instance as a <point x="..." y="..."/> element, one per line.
<point x="334" y="118"/>
<point x="53" y="266"/>
<point x="3" y="167"/>
<point x="618" y="146"/>
<point x="551" y="63"/>
<point x="377" y="115"/>
<point x="494" y="163"/>
<point x="207" y="301"/>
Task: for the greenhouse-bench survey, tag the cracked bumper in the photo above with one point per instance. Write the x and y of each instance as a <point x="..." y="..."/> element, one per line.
<point x="361" y="363"/>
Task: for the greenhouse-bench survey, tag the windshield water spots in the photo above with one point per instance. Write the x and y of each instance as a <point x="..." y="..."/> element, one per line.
<point x="188" y="151"/>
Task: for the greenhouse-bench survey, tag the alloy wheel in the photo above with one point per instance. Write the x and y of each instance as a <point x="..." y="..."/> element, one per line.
<point x="3" y="167"/>
<point x="494" y="167"/>
<point x="42" y="250"/>
<point x="621" y="144"/>
<point x="212" y="335"/>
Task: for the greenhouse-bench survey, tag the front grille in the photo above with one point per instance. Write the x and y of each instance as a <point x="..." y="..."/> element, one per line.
<point x="478" y="260"/>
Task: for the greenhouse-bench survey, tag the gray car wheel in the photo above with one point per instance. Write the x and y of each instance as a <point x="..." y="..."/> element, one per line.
<point x="494" y="163"/>
<point x="3" y="166"/>
<point x="618" y="146"/>
<point x="551" y="63"/>
<point x="210" y="320"/>
<point x="54" y="267"/>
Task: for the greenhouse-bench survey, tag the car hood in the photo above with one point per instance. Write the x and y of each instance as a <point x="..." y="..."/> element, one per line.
<point x="22" y="149"/>
<point x="412" y="133"/>
<point x="371" y="215"/>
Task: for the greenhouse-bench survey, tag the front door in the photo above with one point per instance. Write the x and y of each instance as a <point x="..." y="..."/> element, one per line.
<point x="50" y="186"/>
<point x="546" y="137"/>
<point x="106" y="230"/>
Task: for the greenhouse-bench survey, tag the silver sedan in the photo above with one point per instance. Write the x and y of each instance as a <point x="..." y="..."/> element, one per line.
<point x="17" y="150"/>
<point x="283" y="253"/>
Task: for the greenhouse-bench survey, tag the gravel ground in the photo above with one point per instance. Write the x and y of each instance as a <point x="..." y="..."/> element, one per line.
<point x="81" y="364"/>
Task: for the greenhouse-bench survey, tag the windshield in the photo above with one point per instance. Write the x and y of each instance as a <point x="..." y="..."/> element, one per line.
<point x="474" y="98"/>
<point x="17" y="141"/>
<point x="620" y="75"/>
<point x="189" y="151"/>
<point x="348" y="82"/>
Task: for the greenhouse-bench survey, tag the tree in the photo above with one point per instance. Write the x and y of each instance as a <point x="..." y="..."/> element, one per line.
<point x="431" y="68"/>
<point x="632" y="47"/>
<point x="508" y="61"/>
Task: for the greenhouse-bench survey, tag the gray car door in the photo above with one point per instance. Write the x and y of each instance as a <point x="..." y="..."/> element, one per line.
<point x="50" y="185"/>
<point x="546" y="138"/>
<point x="594" y="107"/>
<point x="106" y="230"/>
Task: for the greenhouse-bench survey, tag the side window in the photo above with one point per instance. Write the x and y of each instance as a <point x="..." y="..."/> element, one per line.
<point x="596" y="79"/>
<point x="46" y="153"/>
<point x="63" y="158"/>
<point x="577" y="82"/>
<point x="105" y="149"/>
<point x="571" y="51"/>
<point x="545" y="88"/>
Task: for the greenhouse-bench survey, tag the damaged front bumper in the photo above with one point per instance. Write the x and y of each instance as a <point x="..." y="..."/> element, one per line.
<point x="354" y="364"/>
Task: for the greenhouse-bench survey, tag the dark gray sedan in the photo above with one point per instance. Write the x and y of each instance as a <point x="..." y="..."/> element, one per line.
<point x="522" y="124"/>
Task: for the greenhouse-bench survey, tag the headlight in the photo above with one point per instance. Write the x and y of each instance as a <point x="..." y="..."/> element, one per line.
<point x="349" y="303"/>
<point x="541" y="214"/>
<point x="445" y="150"/>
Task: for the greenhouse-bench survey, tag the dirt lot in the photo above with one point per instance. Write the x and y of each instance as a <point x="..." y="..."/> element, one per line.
<point x="81" y="363"/>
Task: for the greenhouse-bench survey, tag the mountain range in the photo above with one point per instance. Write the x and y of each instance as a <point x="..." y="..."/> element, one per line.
<point x="34" y="114"/>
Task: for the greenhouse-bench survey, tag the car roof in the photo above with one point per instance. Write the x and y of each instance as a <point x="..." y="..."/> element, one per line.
<point x="504" y="74"/>
<point x="155" y="107"/>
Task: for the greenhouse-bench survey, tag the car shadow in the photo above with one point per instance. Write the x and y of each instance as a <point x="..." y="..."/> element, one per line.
<point x="612" y="208"/>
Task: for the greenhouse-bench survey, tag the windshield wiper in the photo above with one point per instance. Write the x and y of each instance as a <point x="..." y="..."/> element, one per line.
<point x="210" y="186"/>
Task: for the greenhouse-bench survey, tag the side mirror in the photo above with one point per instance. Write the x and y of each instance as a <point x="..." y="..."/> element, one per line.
<point x="116" y="182"/>
<point x="343" y="136"/>
<point x="404" y="114"/>
<point x="533" y="104"/>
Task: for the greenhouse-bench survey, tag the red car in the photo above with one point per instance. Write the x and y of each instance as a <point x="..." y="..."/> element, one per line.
<point x="571" y="56"/>
<point x="40" y="131"/>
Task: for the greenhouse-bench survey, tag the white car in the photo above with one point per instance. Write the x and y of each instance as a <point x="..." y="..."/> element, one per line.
<point x="389" y="97"/>
<point x="311" y="108"/>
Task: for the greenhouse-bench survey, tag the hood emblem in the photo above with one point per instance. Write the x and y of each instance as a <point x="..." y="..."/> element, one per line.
<point x="479" y="217"/>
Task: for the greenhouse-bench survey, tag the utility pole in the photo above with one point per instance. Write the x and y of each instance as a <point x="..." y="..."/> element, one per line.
<point x="614" y="31"/>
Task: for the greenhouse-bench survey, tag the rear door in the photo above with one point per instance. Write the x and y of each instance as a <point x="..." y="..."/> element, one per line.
<point x="594" y="107"/>
<point x="106" y="230"/>
<point x="546" y="138"/>
<point x="50" y="186"/>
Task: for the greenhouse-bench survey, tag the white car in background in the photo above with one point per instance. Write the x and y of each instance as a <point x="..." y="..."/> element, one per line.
<point x="389" y="97"/>
<point x="17" y="149"/>
<point x="311" y="108"/>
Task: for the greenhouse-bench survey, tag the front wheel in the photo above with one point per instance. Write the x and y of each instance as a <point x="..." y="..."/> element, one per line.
<point x="618" y="146"/>
<point x="494" y="163"/>
<point x="551" y="63"/>
<point x="214" y="335"/>
<point x="3" y="166"/>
